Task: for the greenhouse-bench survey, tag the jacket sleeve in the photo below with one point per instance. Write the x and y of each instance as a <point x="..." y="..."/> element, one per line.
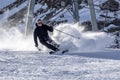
<point x="35" y="38"/>
<point x="49" y="28"/>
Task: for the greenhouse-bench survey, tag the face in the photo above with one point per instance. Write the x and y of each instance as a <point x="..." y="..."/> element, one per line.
<point x="39" y="23"/>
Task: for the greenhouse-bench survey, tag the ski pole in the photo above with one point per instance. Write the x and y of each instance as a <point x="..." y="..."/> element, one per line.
<point x="67" y="34"/>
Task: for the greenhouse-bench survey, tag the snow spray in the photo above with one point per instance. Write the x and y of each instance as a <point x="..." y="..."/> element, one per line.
<point x="13" y="39"/>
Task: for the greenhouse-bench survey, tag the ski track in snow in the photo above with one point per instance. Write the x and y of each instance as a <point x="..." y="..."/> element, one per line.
<point x="20" y="65"/>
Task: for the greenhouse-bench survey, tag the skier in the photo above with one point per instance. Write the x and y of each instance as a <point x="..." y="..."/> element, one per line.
<point x="41" y="31"/>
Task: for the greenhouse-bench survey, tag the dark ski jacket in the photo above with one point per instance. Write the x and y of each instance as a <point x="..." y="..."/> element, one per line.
<point x="42" y="33"/>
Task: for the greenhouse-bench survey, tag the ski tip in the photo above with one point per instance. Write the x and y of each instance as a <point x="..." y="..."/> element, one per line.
<point x="59" y="52"/>
<point x="65" y="51"/>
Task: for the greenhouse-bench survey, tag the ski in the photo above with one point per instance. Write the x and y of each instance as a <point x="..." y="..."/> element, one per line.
<point x="59" y="52"/>
<point x="64" y="51"/>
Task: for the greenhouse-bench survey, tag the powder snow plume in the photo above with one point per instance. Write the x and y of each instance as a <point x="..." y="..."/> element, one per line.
<point x="13" y="39"/>
<point x="89" y="41"/>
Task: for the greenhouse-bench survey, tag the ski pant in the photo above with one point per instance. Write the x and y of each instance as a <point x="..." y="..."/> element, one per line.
<point x="49" y="45"/>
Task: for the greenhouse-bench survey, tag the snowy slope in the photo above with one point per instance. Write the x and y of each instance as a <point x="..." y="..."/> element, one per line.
<point x="39" y="66"/>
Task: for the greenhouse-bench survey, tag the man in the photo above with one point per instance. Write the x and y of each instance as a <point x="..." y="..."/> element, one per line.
<point x="41" y="31"/>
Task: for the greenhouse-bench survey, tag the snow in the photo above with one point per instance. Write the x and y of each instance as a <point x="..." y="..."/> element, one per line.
<point x="20" y="60"/>
<point x="87" y="59"/>
<point x="3" y="3"/>
<point x="13" y="39"/>
<point x="39" y="66"/>
<point x="11" y="12"/>
<point x="88" y="40"/>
